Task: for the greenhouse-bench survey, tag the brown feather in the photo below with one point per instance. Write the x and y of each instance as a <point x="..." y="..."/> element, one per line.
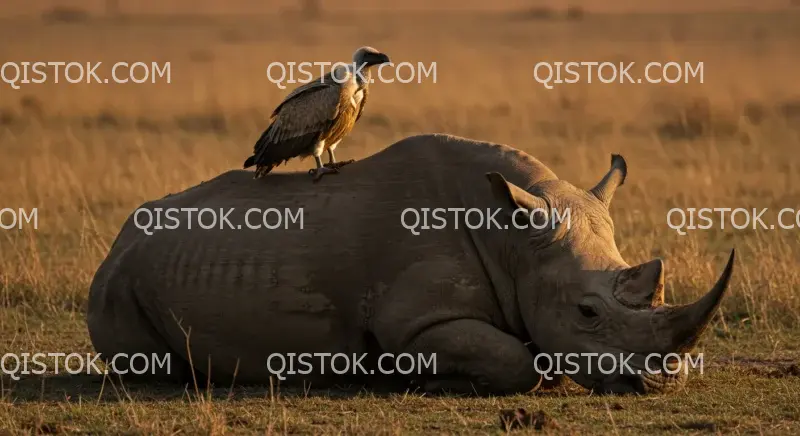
<point x="365" y="90"/>
<point x="317" y="111"/>
<point x="367" y="75"/>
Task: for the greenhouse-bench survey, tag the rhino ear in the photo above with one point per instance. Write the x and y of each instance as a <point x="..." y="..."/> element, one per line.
<point x="613" y="179"/>
<point x="513" y="196"/>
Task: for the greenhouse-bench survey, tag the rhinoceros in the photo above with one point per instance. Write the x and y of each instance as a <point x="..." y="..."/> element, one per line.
<point x="487" y="301"/>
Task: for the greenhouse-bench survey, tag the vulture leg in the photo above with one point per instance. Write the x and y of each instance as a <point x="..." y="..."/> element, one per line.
<point x="321" y="170"/>
<point x="332" y="161"/>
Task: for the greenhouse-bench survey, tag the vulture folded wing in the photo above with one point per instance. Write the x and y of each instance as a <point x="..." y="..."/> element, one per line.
<point x="298" y="123"/>
<point x="320" y="82"/>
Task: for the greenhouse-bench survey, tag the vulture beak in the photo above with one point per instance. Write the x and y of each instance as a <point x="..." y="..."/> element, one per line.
<point x="377" y="59"/>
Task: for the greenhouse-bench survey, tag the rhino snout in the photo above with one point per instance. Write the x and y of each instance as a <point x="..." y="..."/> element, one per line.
<point x="644" y="383"/>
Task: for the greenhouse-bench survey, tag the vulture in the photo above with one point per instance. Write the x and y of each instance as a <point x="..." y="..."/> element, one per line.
<point x="316" y="116"/>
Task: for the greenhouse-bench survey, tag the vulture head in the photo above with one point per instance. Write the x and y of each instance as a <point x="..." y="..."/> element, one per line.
<point x="369" y="56"/>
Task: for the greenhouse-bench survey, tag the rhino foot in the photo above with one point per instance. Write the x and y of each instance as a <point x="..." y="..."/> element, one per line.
<point x="475" y="358"/>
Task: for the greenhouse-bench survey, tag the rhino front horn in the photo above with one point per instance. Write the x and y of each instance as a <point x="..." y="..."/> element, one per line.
<point x="613" y="179"/>
<point x="683" y="325"/>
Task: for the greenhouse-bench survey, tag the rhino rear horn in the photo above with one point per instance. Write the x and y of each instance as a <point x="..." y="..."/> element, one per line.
<point x="641" y="286"/>
<point x="613" y="179"/>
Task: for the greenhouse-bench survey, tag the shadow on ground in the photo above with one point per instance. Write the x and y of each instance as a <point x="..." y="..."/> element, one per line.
<point x="112" y="388"/>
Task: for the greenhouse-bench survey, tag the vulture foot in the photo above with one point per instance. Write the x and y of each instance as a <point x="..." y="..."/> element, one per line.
<point x="337" y="165"/>
<point x="321" y="171"/>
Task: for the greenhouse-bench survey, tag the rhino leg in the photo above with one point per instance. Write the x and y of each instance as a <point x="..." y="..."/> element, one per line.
<point x="118" y="324"/>
<point x="473" y="357"/>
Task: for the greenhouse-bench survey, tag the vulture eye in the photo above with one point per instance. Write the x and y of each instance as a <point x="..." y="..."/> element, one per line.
<point x="587" y="311"/>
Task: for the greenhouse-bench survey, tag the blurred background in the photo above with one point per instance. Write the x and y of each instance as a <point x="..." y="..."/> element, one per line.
<point x="23" y="7"/>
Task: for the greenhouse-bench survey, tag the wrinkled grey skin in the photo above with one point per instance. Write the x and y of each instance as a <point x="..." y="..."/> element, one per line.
<point x="354" y="280"/>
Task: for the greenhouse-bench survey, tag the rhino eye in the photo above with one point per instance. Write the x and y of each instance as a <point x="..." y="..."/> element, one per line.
<point x="587" y="311"/>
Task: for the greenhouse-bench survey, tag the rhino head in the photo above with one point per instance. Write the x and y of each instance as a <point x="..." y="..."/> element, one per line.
<point x="577" y="295"/>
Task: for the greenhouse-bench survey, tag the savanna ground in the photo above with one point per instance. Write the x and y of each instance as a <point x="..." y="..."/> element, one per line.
<point x="87" y="155"/>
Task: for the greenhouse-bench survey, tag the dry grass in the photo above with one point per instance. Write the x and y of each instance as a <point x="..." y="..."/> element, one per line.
<point x="87" y="155"/>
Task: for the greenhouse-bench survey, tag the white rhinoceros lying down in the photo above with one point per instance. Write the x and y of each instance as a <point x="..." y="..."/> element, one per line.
<point x="355" y="280"/>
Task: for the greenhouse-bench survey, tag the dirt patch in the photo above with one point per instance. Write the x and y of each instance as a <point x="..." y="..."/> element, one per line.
<point x="792" y="370"/>
<point x="764" y="367"/>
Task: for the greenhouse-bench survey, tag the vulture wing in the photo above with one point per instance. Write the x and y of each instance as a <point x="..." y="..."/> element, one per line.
<point x="298" y="123"/>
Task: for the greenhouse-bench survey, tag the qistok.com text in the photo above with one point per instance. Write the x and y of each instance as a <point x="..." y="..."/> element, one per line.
<point x="738" y="218"/>
<point x="14" y="365"/>
<point x="25" y="73"/>
<point x="609" y="363"/>
<point x="158" y="218"/>
<point x="475" y="218"/>
<point x="281" y="365"/>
